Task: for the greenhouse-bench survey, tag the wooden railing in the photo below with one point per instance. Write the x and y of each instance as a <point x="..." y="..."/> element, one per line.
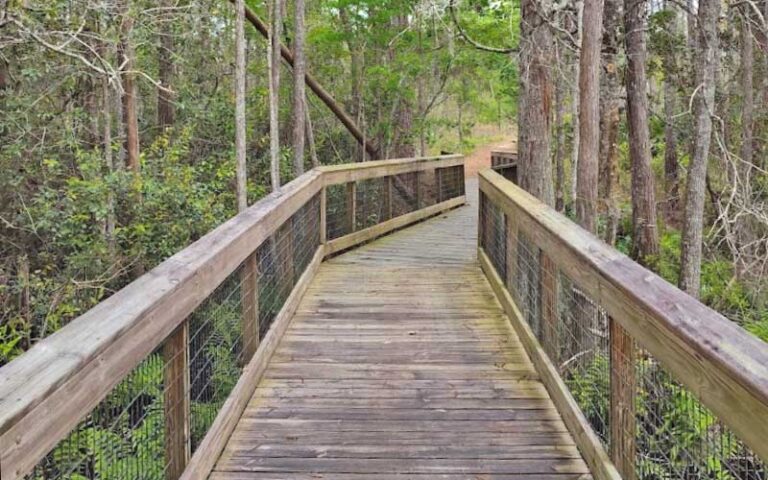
<point x="637" y="368"/>
<point x="151" y="382"/>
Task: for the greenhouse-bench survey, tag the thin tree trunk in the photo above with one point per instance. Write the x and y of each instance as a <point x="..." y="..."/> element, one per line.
<point x="166" y="111"/>
<point x="704" y="103"/>
<point x="609" y="106"/>
<point x="575" y="107"/>
<point x="109" y="230"/>
<point x="130" y="116"/>
<point x="744" y="231"/>
<point x="671" y="169"/>
<point x="560" y="143"/>
<point x="311" y="138"/>
<point x="273" y="62"/>
<point x="240" y="127"/>
<point x="645" y="240"/>
<point x="589" y="115"/>
<point x="299" y="92"/>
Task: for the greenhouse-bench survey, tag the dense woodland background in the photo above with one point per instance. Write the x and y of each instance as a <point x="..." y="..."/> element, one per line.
<point x="118" y="127"/>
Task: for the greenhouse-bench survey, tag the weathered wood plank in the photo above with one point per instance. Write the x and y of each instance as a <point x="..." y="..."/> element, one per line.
<point x="724" y="366"/>
<point x="400" y="361"/>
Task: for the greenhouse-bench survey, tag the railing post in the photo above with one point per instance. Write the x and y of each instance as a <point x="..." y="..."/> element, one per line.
<point x="323" y="215"/>
<point x="250" y="307"/>
<point x="623" y="387"/>
<point x="417" y="193"/>
<point x="351" y="206"/>
<point x="548" y="278"/>
<point x="511" y="239"/>
<point x="388" y="197"/>
<point x="439" y="181"/>
<point x="176" y="401"/>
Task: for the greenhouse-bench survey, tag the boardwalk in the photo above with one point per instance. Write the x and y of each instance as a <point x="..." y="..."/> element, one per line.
<point x="400" y="363"/>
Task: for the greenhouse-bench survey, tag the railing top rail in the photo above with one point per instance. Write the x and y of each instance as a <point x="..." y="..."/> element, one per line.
<point x="349" y="172"/>
<point x="66" y="374"/>
<point x="721" y="363"/>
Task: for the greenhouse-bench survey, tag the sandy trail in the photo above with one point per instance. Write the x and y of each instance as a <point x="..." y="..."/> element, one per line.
<point x="481" y="157"/>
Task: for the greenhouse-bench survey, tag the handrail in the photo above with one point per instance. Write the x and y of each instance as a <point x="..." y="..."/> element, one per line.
<point x="47" y="391"/>
<point x="724" y="366"/>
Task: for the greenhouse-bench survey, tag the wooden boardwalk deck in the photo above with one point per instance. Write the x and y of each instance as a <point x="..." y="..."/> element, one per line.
<point x="399" y="363"/>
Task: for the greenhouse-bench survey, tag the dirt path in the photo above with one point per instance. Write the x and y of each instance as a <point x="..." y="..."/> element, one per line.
<point x="481" y="157"/>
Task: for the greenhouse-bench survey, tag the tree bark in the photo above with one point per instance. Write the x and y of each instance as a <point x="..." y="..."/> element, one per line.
<point x="535" y="109"/>
<point x="240" y="127"/>
<point x="130" y="116"/>
<point x="609" y="120"/>
<point x="589" y="115"/>
<point x="645" y="240"/>
<point x="299" y="93"/>
<point x="273" y="63"/>
<point x="166" y="111"/>
<point x="703" y="108"/>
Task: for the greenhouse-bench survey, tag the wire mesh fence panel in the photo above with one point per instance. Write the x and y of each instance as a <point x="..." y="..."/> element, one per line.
<point x="370" y="205"/>
<point x="653" y="426"/>
<point x="677" y="437"/>
<point x="338" y="211"/>
<point x="427" y="188"/>
<point x="122" y="438"/>
<point x="450" y="182"/>
<point x="404" y="194"/>
<point x="493" y="235"/>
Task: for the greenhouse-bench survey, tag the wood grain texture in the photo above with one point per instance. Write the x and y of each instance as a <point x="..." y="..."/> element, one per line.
<point x="399" y="362"/>
<point x="724" y="366"/>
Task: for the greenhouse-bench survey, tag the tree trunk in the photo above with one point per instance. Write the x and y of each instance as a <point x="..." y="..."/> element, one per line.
<point x="299" y="93"/>
<point x="273" y="63"/>
<point x="575" y="108"/>
<point x="535" y="107"/>
<point x="130" y="115"/>
<point x="240" y="127"/>
<point x="589" y="115"/>
<point x="166" y="111"/>
<point x="703" y="108"/>
<point x="645" y="240"/>
<point x="746" y="237"/>
<point x="609" y="122"/>
<point x="560" y="88"/>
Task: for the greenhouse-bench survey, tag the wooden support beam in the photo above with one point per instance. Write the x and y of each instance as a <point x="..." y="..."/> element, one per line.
<point x="512" y="269"/>
<point x="250" y="306"/>
<point x="176" y="401"/>
<point x="388" y="213"/>
<point x="351" y="207"/>
<point x="623" y="390"/>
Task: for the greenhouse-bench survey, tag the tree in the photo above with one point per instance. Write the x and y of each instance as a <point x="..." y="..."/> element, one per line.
<point x="299" y="94"/>
<point x="129" y="101"/>
<point x="589" y="115"/>
<point x="273" y="63"/>
<point x="240" y="127"/>
<point x="535" y="108"/>
<point x="610" y="104"/>
<point x="705" y="68"/>
<point x="645" y="240"/>
<point x="166" y="111"/>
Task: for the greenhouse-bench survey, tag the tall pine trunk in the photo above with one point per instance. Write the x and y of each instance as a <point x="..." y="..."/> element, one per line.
<point x="609" y="120"/>
<point x="273" y="63"/>
<point x="645" y="240"/>
<point x="703" y="109"/>
<point x="535" y="109"/>
<point x="299" y="93"/>
<point x="130" y="115"/>
<point x="589" y="115"/>
<point x="240" y="127"/>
